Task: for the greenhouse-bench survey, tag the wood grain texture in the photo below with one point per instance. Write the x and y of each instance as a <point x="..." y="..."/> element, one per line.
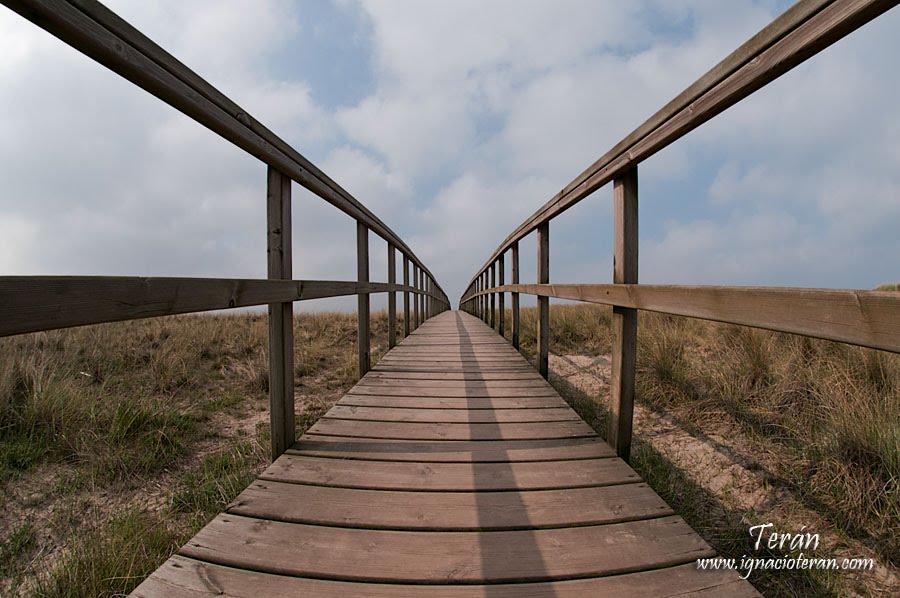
<point x="416" y="431"/>
<point x="514" y="297"/>
<point x="865" y="318"/>
<point x="363" y="337"/>
<point x="392" y="296"/>
<point x="543" y="317"/>
<point x="35" y="303"/>
<point x="538" y="504"/>
<point x="452" y="451"/>
<point x="458" y="416"/>
<point x="448" y="511"/>
<point x="442" y="557"/>
<point x="281" y="315"/>
<point x="182" y="577"/>
<point x="624" y="319"/>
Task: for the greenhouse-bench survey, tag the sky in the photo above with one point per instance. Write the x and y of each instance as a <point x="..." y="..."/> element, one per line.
<point x="453" y="121"/>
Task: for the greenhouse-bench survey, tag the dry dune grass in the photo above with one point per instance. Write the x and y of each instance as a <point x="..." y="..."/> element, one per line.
<point x="118" y="441"/>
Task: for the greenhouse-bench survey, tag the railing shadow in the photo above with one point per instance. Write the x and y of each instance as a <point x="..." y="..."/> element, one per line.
<point x="496" y="549"/>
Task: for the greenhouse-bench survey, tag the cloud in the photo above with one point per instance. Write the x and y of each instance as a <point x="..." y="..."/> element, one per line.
<point x="476" y="114"/>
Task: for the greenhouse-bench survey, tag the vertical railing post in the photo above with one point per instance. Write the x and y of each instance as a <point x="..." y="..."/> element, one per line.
<point x="362" y="275"/>
<point x="392" y="297"/>
<point x="501" y="266"/>
<point x="415" y="271"/>
<point x="281" y="315"/>
<point x="543" y="275"/>
<point x="405" y="296"/>
<point x="515" y="296"/>
<point x="624" y="321"/>
<point x="493" y="283"/>
<point x="484" y="299"/>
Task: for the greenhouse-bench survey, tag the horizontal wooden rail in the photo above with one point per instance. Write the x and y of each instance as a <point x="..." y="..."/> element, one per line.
<point x="865" y="318"/>
<point x="99" y="33"/>
<point x="35" y="303"/>
<point x="802" y="31"/>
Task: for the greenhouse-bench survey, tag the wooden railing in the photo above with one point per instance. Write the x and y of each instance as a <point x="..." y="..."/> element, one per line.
<point x="866" y="318"/>
<point x="34" y="303"/>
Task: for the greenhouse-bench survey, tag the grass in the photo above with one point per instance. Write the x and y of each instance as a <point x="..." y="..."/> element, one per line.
<point x="829" y="414"/>
<point x="117" y="409"/>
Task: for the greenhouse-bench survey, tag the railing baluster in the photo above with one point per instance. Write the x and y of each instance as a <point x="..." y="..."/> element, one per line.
<point x="624" y="321"/>
<point x="415" y="298"/>
<point x="281" y="315"/>
<point x="501" y="265"/>
<point x="493" y="296"/>
<point x="405" y="296"/>
<point x="515" y="296"/>
<point x="362" y="275"/>
<point x="543" y="274"/>
<point x="392" y="297"/>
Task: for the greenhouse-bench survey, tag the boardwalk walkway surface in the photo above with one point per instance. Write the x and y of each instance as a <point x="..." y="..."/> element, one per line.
<point x="452" y="469"/>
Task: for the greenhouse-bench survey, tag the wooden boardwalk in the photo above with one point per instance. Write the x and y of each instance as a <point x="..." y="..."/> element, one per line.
<point x="452" y="469"/>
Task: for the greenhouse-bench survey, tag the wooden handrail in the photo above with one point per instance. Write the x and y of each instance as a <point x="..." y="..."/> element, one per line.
<point x="802" y="31"/>
<point x="863" y="318"/>
<point x="37" y="303"/>
<point x="93" y="29"/>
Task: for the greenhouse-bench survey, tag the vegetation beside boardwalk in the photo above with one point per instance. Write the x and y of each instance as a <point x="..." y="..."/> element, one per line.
<point x="95" y="419"/>
<point x="826" y="415"/>
<point x="128" y="437"/>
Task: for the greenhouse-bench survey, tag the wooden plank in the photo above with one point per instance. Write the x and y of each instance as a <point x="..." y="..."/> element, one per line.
<point x="449" y="477"/>
<point x="798" y="34"/>
<point x="281" y="315"/>
<point x="459" y="416"/>
<point x="411" y="431"/>
<point x="182" y="577"/>
<point x="472" y="392"/>
<point x="533" y="382"/>
<point x="393" y="378"/>
<point x="438" y="557"/>
<point x="448" y="511"/>
<point x="624" y="319"/>
<point x="362" y="275"/>
<point x="543" y="321"/>
<point x="408" y="402"/>
<point x="392" y="297"/>
<point x="452" y="451"/>
<point x="865" y="318"/>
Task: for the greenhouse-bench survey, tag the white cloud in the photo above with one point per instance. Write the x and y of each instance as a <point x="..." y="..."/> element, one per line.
<point x="479" y="113"/>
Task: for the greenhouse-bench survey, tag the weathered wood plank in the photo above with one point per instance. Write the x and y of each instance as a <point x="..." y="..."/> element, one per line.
<point x="182" y="577"/>
<point x="448" y="511"/>
<point x="472" y="392"/>
<point x="439" y="557"/>
<point x="457" y="416"/>
<point x="452" y="402"/>
<point x="452" y="451"/>
<point x="35" y="303"/>
<point x="449" y="477"/>
<point x="865" y="318"/>
<point x="412" y="431"/>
